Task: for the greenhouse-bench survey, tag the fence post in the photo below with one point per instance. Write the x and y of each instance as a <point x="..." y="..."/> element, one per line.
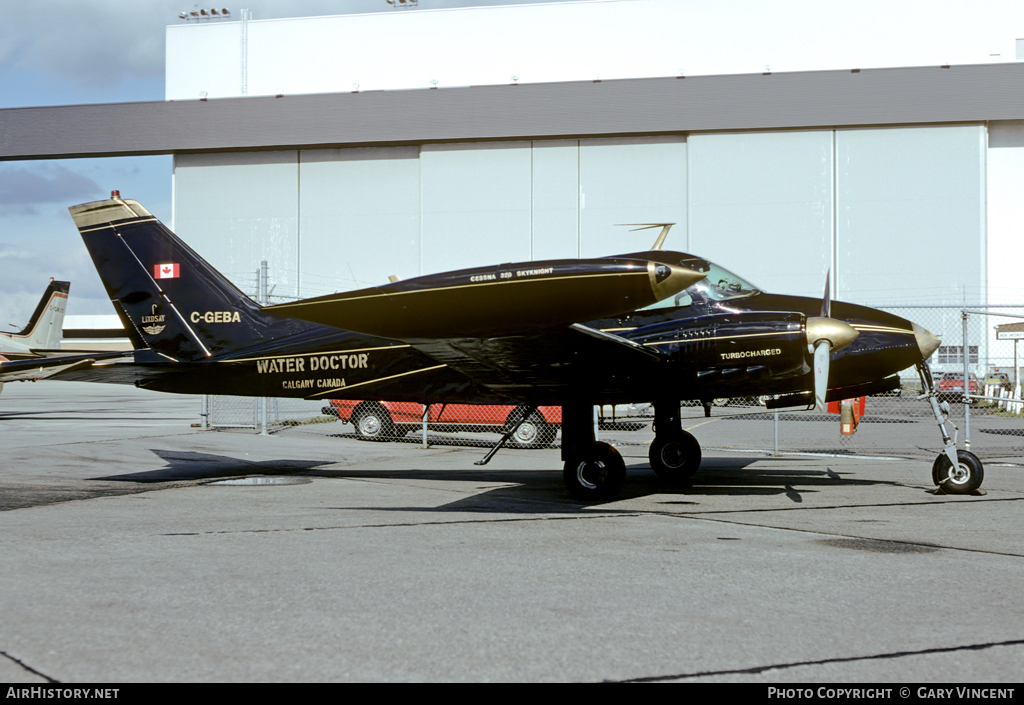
<point x="776" y="432"/>
<point x="261" y="299"/>
<point x="967" y="386"/>
<point x="426" y="412"/>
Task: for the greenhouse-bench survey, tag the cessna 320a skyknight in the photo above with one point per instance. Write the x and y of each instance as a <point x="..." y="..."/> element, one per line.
<point x="570" y="333"/>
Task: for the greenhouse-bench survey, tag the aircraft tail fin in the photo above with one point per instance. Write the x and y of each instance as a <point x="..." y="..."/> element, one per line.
<point x="46" y="326"/>
<point x="168" y="297"/>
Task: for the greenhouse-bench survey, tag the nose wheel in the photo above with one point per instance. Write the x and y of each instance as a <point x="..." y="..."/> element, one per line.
<point x="964" y="478"/>
<point x="954" y="471"/>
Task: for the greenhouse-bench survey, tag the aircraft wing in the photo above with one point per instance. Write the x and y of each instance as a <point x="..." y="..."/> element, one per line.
<point x="38" y="368"/>
<point x="542" y="367"/>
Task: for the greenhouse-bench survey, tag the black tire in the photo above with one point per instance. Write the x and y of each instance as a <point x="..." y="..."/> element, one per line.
<point x="968" y="477"/>
<point x="598" y="477"/>
<point x="675" y="457"/>
<point x="534" y="432"/>
<point x="372" y="422"/>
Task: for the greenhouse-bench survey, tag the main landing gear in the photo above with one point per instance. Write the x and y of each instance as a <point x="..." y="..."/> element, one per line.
<point x="674" y="453"/>
<point x="954" y="471"/>
<point x="595" y="471"/>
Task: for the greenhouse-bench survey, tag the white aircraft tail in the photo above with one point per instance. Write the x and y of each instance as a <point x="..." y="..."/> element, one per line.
<point x="46" y="327"/>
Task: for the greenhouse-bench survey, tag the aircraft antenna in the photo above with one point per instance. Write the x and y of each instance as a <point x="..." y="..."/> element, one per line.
<point x="665" y="227"/>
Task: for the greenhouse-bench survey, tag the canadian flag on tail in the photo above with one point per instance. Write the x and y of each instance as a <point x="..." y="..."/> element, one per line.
<point x="165" y="271"/>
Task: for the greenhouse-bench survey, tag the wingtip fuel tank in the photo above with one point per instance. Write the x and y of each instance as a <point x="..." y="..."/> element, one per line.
<point x="507" y="299"/>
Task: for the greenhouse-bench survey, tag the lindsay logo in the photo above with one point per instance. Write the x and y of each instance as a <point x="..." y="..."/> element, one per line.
<point x="149" y="323"/>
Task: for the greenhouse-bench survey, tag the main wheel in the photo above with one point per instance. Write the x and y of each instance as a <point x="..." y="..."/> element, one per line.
<point x="675" y="456"/>
<point x="964" y="479"/>
<point x="534" y="432"/>
<point x="598" y="477"/>
<point x="373" y="423"/>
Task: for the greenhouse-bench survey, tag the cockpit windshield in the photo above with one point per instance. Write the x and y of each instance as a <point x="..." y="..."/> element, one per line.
<point x="720" y="284"/>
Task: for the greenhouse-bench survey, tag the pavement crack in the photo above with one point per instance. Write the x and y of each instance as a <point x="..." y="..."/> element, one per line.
<point x="28" y="668"/>
<point x="822" y="662"/>
<point x="819" y="532"/>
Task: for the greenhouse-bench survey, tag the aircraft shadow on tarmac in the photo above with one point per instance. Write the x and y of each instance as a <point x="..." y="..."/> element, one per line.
<point x="522" y="490"/>
<point x="516" y="490"/>
<point x="190" y="465"/>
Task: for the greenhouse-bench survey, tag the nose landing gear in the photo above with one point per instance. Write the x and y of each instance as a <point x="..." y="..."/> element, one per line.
<point x="954" y="471"/>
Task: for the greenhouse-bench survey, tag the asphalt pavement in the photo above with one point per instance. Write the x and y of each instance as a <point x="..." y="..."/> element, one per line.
<point x="137" y="548"/>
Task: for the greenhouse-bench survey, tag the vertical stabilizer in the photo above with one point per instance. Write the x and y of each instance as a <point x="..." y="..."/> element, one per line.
<point x="169" y="299"/>
<point x="45" y="327"/>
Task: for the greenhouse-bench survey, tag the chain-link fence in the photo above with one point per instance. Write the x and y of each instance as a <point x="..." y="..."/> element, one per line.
<point x="895" y="424"/>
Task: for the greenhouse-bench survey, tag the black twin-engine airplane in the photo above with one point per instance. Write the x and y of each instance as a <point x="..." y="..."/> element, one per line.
<point x="655" y="326"/>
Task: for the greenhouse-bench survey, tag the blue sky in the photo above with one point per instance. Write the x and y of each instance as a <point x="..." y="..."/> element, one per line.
<point x="62" y="52"/>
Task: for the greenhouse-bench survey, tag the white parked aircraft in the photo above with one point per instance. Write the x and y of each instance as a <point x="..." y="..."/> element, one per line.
<point x="43" y="333"/>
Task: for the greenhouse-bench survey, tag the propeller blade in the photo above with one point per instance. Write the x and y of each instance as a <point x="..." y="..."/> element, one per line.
<point x="821" y="360"/>
<point x="826" y="300"/>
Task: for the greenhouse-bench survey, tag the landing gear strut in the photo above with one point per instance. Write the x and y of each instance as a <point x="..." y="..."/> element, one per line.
<point x="954" y="471"/>
<point x="674" y="454"/>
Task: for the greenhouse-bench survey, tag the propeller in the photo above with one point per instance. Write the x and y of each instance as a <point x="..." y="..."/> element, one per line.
<point x="824" y="336"/>
<point x="822" y="350"/>
<point x="826" y="300"/>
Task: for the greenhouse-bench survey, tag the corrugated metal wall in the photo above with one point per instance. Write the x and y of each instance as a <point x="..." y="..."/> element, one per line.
<point x="898" y="214"/>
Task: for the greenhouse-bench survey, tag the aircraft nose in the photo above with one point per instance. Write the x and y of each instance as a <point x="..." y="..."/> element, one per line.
<point x="927" y="341"/>
<point x="669" y="279"/>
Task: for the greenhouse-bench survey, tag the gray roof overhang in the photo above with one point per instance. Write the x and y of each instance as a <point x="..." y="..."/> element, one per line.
<point x="647" y="106"/>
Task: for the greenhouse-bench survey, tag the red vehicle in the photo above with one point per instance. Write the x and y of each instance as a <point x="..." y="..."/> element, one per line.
<point x="951" y="386"/>
<point x="388" y="420"/>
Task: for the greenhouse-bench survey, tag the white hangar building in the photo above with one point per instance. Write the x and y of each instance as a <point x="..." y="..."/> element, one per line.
<point x="782" y="141"/>
<point x="542" y="136"/>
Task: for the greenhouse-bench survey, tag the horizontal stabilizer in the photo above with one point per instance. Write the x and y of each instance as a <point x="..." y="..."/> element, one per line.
<point x="44" y="368"/>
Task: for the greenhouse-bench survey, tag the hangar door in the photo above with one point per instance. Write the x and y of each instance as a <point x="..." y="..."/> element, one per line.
<point x="897" y="214"/>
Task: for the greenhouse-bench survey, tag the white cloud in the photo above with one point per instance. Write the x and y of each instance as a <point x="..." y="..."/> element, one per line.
<point x="88" y="41"/>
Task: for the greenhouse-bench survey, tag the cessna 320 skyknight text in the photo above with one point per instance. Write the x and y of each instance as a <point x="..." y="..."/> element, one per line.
<point x="655" y="326"/>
